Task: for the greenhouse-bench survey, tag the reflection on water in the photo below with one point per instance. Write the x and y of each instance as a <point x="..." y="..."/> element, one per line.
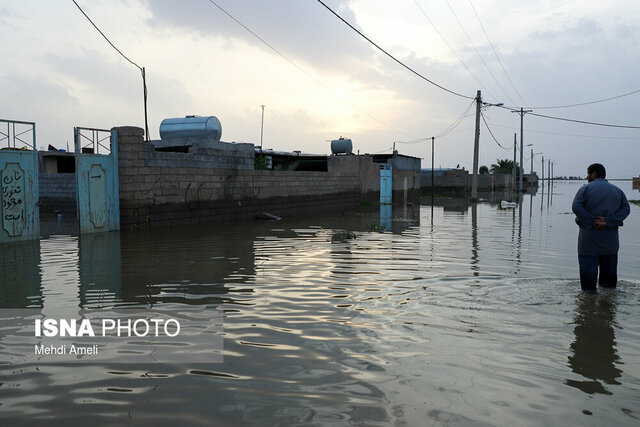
<point x="432" y="313"/>
<point x="100" y="269"/>
<point x="594" y="349"/>
<point x="20" y="275"/>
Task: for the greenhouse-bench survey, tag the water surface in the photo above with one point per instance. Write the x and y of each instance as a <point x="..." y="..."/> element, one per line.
<point x="452" y="314"/>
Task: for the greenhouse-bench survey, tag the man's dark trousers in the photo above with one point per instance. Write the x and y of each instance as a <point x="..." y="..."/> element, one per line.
<point x="589" y="271"/>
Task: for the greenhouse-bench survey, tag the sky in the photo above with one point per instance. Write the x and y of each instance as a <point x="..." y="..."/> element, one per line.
<point x="319" y="80"/>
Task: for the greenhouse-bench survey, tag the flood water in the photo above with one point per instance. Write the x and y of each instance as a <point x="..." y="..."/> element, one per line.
<point x="450" y="314"/>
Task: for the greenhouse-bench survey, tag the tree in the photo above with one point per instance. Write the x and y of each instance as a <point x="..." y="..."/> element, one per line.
<point x="504" y="166"/>
<point x="483" y="169"/>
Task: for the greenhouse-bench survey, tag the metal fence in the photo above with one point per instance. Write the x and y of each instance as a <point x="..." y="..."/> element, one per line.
<point x="94" y="141"/>
<point x="17" y="135"/>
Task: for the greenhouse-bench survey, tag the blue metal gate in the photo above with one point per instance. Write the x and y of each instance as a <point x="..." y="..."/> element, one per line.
<point x="97" y="179"/>
<point x="386" y="184"/>
<point x="19" y="214"/>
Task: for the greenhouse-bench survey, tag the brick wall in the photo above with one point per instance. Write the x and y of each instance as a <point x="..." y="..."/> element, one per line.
<point x="57" y="192"/>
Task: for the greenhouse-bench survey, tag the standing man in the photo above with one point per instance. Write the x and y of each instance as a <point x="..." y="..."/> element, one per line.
<point x="600" y="208"/>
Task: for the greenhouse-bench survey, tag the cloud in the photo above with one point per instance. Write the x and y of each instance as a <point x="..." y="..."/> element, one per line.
<point x="301" y="30"/>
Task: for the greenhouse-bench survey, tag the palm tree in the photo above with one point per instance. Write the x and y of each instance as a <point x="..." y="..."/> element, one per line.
<point x="504" y="166"/>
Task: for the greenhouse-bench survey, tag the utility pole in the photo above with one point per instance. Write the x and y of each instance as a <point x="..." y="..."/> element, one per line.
<point x="522" y="113"/>
<point x="549" y="169"/>
<point x="432" y="171"/>
<point x="144" y="88"/>
<point x="543" y="170"/>
<point x="476" y="144"/>
<point x="532" y="161"/>
<point x="261" y="126"/>
<point x="513" y="169"/>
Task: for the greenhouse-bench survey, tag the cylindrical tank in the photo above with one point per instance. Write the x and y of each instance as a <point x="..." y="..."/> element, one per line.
<point x="208" y="127"/>
<point x="341" y="145"/>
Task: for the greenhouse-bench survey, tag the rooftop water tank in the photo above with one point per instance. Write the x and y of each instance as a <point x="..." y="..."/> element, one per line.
<point x="208" y="127"/>
<point x="341" y="146"/>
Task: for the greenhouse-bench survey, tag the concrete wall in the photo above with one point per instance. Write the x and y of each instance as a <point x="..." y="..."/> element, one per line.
<point x="57" y="192"/>
<point x="405" y="181"/>
<point x="455" y="178"/>
<point x="359" y="168"/>
<point x="162" y="189"/>
<point x="201" y="153"/>
<point x="406" y="177"/>
<point x="462" y="179"/>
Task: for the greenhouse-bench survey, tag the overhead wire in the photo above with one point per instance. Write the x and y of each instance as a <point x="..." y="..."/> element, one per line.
<point x="491" y="133"/>
<point x="286" y="58"/>
<point x="448" y="130"/>
<point x="585" y="103"/>
<point x="584" y="121"/>
<point x="142" y="70"/>
<point x="495" y="52"/>
<point x="105" y="37"/>
<point x="456" y="123"/>
<point x="464" y="64"/>
<point x="391" y="56"/>
<point x="569" y="134"/>
<point x="478" y="53"/>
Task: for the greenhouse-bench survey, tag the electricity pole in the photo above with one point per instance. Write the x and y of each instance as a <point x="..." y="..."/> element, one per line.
<point x="531" y="161"/>
<point x="522" y="113"/>
<point x="543" y="171"/>
<point x="476" y="143"/>
<point x="513" y="169"/>
<point x="261" y="126"/>
<point x="432" y="171"/>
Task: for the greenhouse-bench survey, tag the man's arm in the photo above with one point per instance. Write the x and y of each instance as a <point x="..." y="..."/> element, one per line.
<point x="617" y="218"/>
<point x="583" y="216"/>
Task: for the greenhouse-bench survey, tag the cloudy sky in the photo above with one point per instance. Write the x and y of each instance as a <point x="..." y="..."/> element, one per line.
<point x="320" y="80"/>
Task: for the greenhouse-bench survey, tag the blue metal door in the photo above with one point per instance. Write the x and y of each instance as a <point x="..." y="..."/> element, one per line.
<point x="97" y="180"/>
<point x="19" y="213"/>
<point x="386" y="182"/>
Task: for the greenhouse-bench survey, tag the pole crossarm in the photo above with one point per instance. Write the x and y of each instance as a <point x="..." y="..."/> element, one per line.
<point x="522" y="112"/>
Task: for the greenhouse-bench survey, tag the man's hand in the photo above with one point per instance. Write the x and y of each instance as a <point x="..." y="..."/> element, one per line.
<point x="599" y="223"/>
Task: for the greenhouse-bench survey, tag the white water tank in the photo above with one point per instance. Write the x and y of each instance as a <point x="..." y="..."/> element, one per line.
<point x="208" y="127"/>
<point x="341" y="146"/>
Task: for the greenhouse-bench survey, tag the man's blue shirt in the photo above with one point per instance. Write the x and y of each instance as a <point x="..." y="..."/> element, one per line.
<point x="599" y="198"/>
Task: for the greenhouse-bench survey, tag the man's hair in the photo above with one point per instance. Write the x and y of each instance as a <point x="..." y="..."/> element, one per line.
<point x="598" y="169"/>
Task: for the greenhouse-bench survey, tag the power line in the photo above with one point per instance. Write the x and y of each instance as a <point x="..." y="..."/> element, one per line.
<point x="585" y="122"/>
<point x="105" y="37"/>
<point x="478" y="53"/>
<point x="573" y="135"/>
<point x="448" y="130"/>
<point x="304" y="71"/>
<point x="453" y="50"/>
<point x="491" y="133"/>
<point x="391" y="56"/>
<point x="456" y="123"/>
<point x="586" y="103"/>
<point x="495" y="52"/>
<point x="142" y="70"/>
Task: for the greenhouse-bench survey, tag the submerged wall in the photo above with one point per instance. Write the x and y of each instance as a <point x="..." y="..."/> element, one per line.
<point x="57" y="192"/>
<point x="171" y="188"/>
<point x="461" y="179"/>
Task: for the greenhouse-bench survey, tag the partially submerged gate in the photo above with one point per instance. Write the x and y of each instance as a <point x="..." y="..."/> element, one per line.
<point x="97" y="186"/>
<point x="19" y="214"/>
<point x="385" y="184"/>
